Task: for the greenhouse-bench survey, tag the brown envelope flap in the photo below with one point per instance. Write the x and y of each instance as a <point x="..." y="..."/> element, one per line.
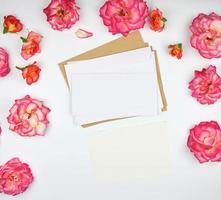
<point x="160" y="82"/>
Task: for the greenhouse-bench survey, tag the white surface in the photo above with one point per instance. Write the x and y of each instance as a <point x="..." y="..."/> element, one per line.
<point x="130" y="153"/>
<point x="117" y="86"/>
<point x="60" y="160"/>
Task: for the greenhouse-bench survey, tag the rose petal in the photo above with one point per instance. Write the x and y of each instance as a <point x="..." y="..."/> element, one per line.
<point x="81" y="33"/>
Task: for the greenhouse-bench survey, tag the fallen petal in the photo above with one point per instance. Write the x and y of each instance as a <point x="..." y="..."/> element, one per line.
<point x="80" y="33"/>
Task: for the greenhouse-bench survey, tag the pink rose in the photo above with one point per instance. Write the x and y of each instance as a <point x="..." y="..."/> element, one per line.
<point x="206" y="35"/>
<point x="62" y="14"/>
<point x="205" y="141"/>
<point x="15" y="177"/>
<point x="31" y="45"/>
<point x="206" y="85"/>
<point x="4" y="66"/>
<point x="123" y="16"/>
<point x="28" y="117"/>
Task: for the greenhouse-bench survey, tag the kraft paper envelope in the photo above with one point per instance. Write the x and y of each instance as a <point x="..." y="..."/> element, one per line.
<point x="133" y="41"/>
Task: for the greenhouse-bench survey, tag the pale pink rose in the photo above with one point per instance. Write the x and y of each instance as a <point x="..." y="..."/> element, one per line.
<point x="206" y="35"/>
<point x="205" y="141"/>
<point x="15" y="177"/>
<point x="206" y="85"/>
<point x="4" y="65"/>
<point x="62" y="14"/>
<point x="28" y="117"/>
<point x="123" y="16"/>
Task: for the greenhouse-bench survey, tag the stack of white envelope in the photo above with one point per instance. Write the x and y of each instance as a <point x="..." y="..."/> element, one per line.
<point x="116" y="86"/>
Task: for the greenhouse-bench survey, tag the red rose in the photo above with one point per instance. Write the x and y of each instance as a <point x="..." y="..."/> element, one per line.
<point x="176" y="50"/>
<point x="12" y="24"/>
<point x="157" y="21"/>
<point x="31" y="45"/>
<point x="31" y="73"/>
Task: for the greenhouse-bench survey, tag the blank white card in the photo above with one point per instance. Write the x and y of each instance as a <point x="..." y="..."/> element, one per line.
<point x="131" y="153"/>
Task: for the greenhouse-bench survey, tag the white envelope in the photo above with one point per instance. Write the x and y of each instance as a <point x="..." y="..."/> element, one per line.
<point x="116" y="63"/>
<point x="115" y="86"/>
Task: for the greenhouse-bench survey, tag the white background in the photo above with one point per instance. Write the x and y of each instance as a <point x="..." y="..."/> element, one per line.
<point x="60" y="160"/>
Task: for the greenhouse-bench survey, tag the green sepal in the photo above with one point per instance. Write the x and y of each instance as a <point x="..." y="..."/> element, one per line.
<point x="24" y="39"/>
<point x="164" y="19"/>
<point x="5" y="30"/>
<point x="180" y="45"/>
<point x="21" y="68"/>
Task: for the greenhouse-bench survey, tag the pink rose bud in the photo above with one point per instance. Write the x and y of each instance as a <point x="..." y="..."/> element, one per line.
<point x="157" y="21"/>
